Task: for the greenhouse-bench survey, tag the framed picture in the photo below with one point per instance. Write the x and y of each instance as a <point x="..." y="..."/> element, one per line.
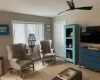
<point x="83" y="29"/>
<point x="48" y="27"/>
<point x="4" y="29"/>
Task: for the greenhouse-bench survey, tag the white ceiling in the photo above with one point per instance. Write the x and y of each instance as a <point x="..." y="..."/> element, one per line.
<point x="48" y="8"/>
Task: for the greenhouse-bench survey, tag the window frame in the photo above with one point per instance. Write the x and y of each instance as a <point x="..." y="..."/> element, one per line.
<point x="26" y="22"/>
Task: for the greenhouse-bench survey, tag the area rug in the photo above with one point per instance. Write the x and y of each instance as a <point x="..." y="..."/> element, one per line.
<point x="49" y="72"/>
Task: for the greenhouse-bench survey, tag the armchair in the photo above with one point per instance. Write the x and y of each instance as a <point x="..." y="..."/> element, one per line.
<point x="46" y="52"/>
<point x="18" y="58"/>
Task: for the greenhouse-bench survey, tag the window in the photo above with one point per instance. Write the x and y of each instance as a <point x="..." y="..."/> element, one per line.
<point x="22" y="30"/>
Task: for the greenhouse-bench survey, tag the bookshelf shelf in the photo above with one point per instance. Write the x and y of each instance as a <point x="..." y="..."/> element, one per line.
<point x="69" y="37"/>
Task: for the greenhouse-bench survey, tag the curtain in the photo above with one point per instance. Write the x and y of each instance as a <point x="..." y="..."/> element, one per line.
<point x="22" y="31"/>
<point x="19" y="33"/>
<point x="36" y="29"/>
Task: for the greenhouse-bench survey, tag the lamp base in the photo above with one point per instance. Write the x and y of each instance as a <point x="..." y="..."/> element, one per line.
<point x="32" y="52"/>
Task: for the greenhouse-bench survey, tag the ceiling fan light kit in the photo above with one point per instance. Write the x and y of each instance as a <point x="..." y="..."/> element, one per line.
<point x="72" y="7"/>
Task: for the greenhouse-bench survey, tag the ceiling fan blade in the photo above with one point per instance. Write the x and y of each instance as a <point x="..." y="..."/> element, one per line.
<point x="71" y="4"/>
<point x="85" y="8"/>
<point x="63" y="11"/>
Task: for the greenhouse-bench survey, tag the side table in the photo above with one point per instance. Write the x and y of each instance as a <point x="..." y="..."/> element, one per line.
<point x="2" y="71"/>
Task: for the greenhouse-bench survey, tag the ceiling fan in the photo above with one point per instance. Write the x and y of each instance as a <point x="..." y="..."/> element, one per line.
<point x="72" y="7"/>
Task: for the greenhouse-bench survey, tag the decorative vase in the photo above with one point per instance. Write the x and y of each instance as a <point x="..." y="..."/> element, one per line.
<point x="70" y="45"/>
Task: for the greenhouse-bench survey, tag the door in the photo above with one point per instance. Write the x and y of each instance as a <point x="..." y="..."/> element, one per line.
<point x="59" y="38"/>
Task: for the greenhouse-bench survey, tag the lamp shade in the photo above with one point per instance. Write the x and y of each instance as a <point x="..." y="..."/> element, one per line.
<point x="31" y="39"/>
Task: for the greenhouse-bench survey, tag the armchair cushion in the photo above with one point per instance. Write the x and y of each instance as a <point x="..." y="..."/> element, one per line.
<point x="25" y="63"/>
<point x="15" y="60"/>
<point x="22" y="64"/>
<point x="18" y="50"/>
<point x="45" y="46"/>
<point x="49" y="55"/>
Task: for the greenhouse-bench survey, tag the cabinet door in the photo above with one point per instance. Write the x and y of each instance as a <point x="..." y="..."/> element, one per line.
<point x="59" y="38"/>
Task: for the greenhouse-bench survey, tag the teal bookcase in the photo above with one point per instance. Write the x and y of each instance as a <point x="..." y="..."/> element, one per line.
<point x="71" y="35"/>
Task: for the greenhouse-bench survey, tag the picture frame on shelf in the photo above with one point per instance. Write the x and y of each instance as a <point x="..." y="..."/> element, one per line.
<point x="47" y="27"/>
<point x="83" y="29"/>
<point x="4" y="29"/>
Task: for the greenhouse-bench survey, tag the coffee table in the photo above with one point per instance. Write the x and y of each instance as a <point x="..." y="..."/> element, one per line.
<point x="77" y="76"/>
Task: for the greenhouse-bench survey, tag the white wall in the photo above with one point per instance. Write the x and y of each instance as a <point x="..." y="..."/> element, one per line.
<point x="81" y="17"/>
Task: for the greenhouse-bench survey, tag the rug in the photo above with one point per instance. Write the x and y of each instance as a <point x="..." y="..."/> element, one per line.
<point x="49" y="72"/>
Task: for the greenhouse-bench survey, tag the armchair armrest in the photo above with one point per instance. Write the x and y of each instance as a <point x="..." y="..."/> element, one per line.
<point x="41" y="53"/>
<point x="53" y="51"/>
<point x="15" y="60"/>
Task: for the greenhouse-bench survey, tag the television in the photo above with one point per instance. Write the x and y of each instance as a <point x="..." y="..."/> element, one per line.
<point x="90" y="34"/>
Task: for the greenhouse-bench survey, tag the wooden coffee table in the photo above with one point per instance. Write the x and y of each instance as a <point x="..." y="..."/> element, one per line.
<point x="77" y="76"/>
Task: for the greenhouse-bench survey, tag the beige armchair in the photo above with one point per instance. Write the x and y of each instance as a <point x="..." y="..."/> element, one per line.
<point x="18" y="58"/>
<point x="46" y="52"/>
